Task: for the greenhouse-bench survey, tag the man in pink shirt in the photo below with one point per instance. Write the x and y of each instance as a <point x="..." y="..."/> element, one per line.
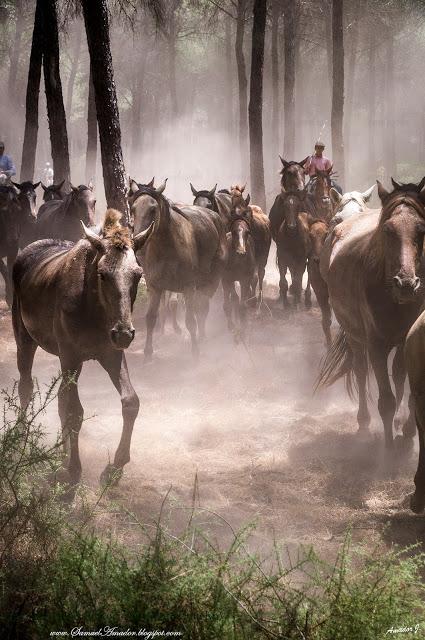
<point x="318" y="161"/>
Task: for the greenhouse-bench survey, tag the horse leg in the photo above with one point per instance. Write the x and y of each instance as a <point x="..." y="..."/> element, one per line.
<point x="115" y="365"/>
<point x="297" y="279"/>
<point x="360" y="371"/>
<point x="173" y="305"/>
<point x="399" y="377"/>
<point x="9" y="282"/>
<point x="245" y="294"/>
<point x="202" y="309"/>
<point x="321" y="292"/>
<point x="191" y="324"/>
<point x="307" y="292"/>
<point x="261" y="273"/>
<point x="26" y="348"/>
<point x="151" y="317"/>
<point x="386" y="402"/>
<point x="283" y="284"/>
<point x="71" y="414"/>
<point x="227" y="303"/>
<point x="5" y="273"/>
<point x="417" y="500"/>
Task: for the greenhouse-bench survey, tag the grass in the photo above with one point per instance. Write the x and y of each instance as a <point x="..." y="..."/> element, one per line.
<point x="57" y="572"/>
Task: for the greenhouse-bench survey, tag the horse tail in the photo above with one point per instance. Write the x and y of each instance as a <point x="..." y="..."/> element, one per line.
<point x="338" y="363"/>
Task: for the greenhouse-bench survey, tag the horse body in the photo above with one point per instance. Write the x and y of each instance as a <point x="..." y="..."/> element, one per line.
<point x="60" y="219"/>
<point x="376" y="296"/>
<point x="75" y="301"/>
<point x="186" y="253"/>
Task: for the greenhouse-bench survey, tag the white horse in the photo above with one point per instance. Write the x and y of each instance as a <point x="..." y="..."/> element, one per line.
<point x="348" y="204"/>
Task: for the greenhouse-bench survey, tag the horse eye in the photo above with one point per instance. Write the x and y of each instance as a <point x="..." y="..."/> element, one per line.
<point x="102" y="276"/>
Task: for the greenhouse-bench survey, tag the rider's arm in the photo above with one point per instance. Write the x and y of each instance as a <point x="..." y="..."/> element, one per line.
<point x="11" y="169"/>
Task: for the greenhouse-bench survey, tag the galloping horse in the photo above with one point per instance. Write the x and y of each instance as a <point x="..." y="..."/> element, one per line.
<point x="260" y="227"/>
<point x="373" y="269"/>
<point x="53" y="191"/>
<point x="75" y="301"/>
<point x="60" y="219"/>
<point x="186" y="253"/>
<point x="241" y="265"/>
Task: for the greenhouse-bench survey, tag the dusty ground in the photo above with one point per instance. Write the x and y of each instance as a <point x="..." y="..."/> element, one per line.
<point x="244" y="421"/>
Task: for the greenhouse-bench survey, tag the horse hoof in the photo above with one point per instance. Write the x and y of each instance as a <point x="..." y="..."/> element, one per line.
<point x="403" y="445"/>
<point x="363" y="433"/>
<point x="110" y="476"/>
<point x="148" y="357"/>
<point x="417" y="504"/>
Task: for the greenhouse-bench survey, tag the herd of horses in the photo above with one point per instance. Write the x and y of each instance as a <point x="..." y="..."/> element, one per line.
<point x="74" y="284"/>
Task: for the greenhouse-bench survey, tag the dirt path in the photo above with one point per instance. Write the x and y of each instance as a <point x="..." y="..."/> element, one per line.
<point x="245" y="421"/>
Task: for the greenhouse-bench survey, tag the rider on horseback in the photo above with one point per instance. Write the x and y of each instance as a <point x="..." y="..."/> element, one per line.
<point x="7" y="168"/>
<point x="318" y="162"/>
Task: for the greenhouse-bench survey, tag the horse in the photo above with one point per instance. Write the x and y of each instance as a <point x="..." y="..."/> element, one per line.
<point x="318" y="190"/>
<point x="185" y="253"/>
<point x="373" y="270"/>
<point x="219" y="202"/>
<point x="27" y="202"/>
<point x="241" y="264"/>
<point x="348" y="204"/>
<point x="293" y="174"/>
<point x="292" y="238"/>
<point x="53" y="191"/>
<point x="318" y="231"/>
<point x="260" y="227"/>
<point x="60" y="219"/>
<point x="9" y="235"/>
<point x="75" y="301"/>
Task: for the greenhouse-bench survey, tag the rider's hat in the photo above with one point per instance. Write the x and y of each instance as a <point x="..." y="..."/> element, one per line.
<point x="319" y="143"/>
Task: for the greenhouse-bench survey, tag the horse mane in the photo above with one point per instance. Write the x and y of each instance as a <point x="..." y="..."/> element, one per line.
<point x="113" y="231"/>
<point x="145" y="189"/>
<point x="226" y="191"/>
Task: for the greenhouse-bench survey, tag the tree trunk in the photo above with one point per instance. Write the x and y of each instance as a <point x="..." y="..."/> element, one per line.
<point x="328" y="39"/>
<point x="136" y="111"/>
<point x="351" y="76"/>
<point x="54" y="97"/>
<point x="228" y="75"/>
<point x="29" y="147"/>
<point x="15" y="52"/>
<point x="74" y="69"/>
<point x="372" y="106"/>
<point x="172" y="62"/>
<point x="390" y="133"/>
<point x="256" y="104"/>
<point x="275" y="78"/>
<point x="337" y="114"/>
<point x="242" y="84"/>
<point x="97" y="30"/>
<point x="289" y="29"/>
<point x="91" y="155"/>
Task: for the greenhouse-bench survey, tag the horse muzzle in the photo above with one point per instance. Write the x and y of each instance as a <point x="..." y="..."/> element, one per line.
<point x="405" y="288"/>
<point x="122" y="338"/>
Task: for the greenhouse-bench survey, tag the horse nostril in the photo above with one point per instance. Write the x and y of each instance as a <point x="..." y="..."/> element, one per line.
<point x="398" y="281"/>
<point x="416" y="283"/>
<point x="132" y="333"/>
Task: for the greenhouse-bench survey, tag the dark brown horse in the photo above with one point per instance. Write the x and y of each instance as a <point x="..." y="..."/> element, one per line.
<point x="318" y="231"/>
<point x="53" y="191"/>
<point x="293" y="174"/>
<point x="27" y="202"/>
<point x="291" y="234"/>
<point x="319" y="189"/>
<point x="186" y="253"/>
<point x="75" y="301"/>
<point x="60" y="219"/>
<point x="373" y="269"/>
<point x="241" y="265"/>
<point x="219" y="202"/>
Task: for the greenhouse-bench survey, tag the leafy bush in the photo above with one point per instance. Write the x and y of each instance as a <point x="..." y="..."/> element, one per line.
<point x="57" y="573"/>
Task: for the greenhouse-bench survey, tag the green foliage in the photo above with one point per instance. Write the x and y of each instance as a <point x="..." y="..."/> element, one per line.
<point x="57" y="572"/>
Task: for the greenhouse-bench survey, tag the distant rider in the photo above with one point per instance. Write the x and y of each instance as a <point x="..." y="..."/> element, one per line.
<point x="319" y="162"/>
<point x="48" y="175"/>
<point x="7" y="167"/>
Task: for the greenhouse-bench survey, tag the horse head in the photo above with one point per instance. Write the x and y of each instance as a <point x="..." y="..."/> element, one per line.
<point x="349" y="203"/>
<point x="27" y="199"/>
<point x="293" y="174"/>
<point x="52" y="192"/>
<point x="204" y="198"/>
<point x="400" y="237"/>
<point x="81" y="202"/>
<point x="240" y="225"/>
<point x="293" y="204"/>
<point x="147" y="203"/>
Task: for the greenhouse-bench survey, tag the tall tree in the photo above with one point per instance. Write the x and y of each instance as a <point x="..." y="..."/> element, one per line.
<point x="337" y="115"/>
<point x="390" y="128"/>
<point x="15" y="50"/>
<point x="228" y="74"/>
<point x="289" y="28"/>
<point x="54" y="96"/>
<point x="75" y="61"/>
<point x="32" y="97"/>
<point x="242" y="81"/>
<point x="97" y="29"/>
<point x="275" y="76"/>
<point x="372" y="103"/>
<point x="351" y="73"/>
<point x="91" y="155"/>
<point x="255" y="108"/>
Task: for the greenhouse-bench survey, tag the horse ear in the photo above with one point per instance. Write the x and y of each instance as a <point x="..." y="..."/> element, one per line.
<point x="336" y="197"/>
<point x="366" y="195"/>
<point x="140" y="239"/>
<point x="60" y="185"/>
<point x="212" y="192"/>
<point x="43" y="187"/>
<point x="329" y="171"/>
<point x="90" y="185"/>
<point x="248" y="199"/>
<point x="284" y="162"/>
<point x="243" y="188"/>
<point x="161" y="188"/>
<point x="395" y="184"/>
<point x="192" y="188"/>
<point x="150" y="184"/>
<point x="302" y="163"/>
<point x="74" y="189"/>
<point x="382" y="192"/>
<point x="37" y="184"/>
<point x="134" y="187"/>
<point x="94" y="239"/>
<point x="16" y="184"/>
<point x="421" y="184"/>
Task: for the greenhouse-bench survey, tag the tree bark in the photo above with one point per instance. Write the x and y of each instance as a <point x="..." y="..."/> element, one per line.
<point x="97" y="29"/>
<point x="172" y="61"/>
<point x="91" y="155"/>
<point x="228" y="74"/>
<point x="29" y="147"/>
<point x="289" y="35"/>
<point x="351" y="76"/>
<point x="242" y="83"/>
<point x="275" y="77"/>
<point x="75" y="62"/>
<point x="136" y="111"/>
<point x="337" y="114"/>
<point x="327" y="10"/>
<point x="54" y="97"/>
<point x="255" y="109"/>
<point x="390" y="128"/>
<point x="372" y="105"/>
<point x="15" y="51"/>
